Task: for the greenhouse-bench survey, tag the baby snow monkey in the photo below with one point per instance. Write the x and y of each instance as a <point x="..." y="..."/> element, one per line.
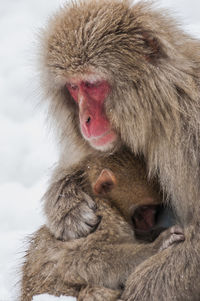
<point x="96" y="267"/>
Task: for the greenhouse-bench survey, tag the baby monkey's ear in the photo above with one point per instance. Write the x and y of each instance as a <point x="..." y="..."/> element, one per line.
<point x="105" y="182"/>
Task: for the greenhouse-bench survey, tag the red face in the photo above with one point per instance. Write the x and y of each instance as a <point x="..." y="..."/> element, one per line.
<point x="90" y="97"/>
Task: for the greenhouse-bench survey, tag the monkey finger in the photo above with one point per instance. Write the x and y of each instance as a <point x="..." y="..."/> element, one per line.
<point x="88" y="217"/>
<point x="91" y="204"/>
<point x="176" y="230"/>
<point x="175" y="235"/>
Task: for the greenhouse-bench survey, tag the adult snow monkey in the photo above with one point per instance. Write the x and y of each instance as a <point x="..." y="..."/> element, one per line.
<point x="116" y="73"/>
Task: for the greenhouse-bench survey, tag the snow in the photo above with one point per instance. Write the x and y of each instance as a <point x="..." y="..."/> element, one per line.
<point x="52" y="298"/>
<point x="27" y="152"/>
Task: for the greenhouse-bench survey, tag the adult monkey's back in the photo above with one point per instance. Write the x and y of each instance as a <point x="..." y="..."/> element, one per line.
<point x="116" y="73"/>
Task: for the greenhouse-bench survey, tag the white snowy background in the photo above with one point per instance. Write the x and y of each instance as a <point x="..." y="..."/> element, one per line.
<point x="27" y="152"/>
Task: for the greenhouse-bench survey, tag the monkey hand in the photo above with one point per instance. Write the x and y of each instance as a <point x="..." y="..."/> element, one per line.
<point x="70" y="212"/>
<point x="81" y="220"/>
<point x="169" y="237"/>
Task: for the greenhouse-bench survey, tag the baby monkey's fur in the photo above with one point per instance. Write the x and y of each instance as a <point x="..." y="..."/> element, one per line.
<point x="96" y="267"/>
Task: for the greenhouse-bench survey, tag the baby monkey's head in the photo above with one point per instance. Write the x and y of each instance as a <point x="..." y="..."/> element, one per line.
<point x="122" y="179"/>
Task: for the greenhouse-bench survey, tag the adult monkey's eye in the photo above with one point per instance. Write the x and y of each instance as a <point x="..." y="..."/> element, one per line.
<point x="73" y="90"/>
<point x="72" y="87"/>
<point x="91" y="85"/>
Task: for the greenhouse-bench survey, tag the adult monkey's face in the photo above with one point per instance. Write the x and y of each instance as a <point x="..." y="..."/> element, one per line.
<point x="90" y="94"/>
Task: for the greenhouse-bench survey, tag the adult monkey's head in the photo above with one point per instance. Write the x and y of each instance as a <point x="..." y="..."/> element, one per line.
<point x="105" y="66"/>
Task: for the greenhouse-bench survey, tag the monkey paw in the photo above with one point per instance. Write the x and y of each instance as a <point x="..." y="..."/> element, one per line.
<point x="172" y="235"/>
<point x="80" y="221"/>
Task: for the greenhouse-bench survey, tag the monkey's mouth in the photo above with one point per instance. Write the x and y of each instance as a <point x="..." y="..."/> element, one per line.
<point x="105" y="141"/>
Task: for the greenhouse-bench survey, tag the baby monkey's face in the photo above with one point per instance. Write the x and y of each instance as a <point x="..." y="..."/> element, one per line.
<point x="139" y="205"/>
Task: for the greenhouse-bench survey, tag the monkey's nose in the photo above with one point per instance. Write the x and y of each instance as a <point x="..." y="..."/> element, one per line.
<point x="86" y="125"/>
<point x="88" y="120"/>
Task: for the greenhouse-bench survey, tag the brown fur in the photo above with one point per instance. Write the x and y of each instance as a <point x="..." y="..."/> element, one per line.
<point x="96" y="267"/>
<point x="130" y="172"/>
<point x="132" y="188"/>
<point x="154" y="71"/>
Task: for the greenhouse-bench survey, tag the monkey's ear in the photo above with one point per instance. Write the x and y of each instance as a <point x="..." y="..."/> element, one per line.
<point x="155" y="49"/>
<point x="105" y="182"/>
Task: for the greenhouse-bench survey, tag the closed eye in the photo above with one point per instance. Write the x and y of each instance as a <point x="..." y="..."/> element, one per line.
<point x="91" y="85"/>
<point x="72" y="86"/>
<point x="73" y="90"/>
